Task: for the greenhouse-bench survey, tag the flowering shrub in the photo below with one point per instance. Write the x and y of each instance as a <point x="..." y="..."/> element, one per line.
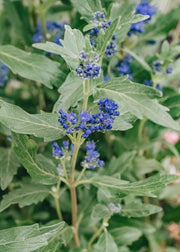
<point x="89" y="130"/>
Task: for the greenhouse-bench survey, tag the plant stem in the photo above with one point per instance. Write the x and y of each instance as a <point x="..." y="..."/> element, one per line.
<point x="73" y="194"/>
<point x="56" y="198"/>
<point x="97" y="233"/>
<point x="43" y="25"/>
<point x="86" y="93"/>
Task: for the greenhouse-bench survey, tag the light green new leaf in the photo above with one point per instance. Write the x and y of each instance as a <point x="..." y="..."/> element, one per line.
<point x="27" y="238"/>
<point x="71" y="92"/>
<point x="8" y="166"/>
<point x="40" y="168"/>
<point x="136" y="99"/>
<point x="100" y="211"/>
<point x="24" y="196"/>
<point x="72" y="45"/>
<point x="43" y="125"/>
<point x="137" y="209"/>
<point x="124" y="121"/>
<point x="31" y="66"/>
<point x="125" y="235"/>
<point x="145" y="187"/>
<point x="106" y="243"/>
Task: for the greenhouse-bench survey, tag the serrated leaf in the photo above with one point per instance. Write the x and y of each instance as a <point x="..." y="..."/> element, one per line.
<point x="106" y="243"/>
<point x="43" y="125"/>
<point x="135" y="99"/>
<point x="137" y="209"/>
<point x="145" y="187"/>
<point x="31" y="66"/>
<point x="72" y="45"/>
<point x="27" y="238"/>
<point x="24" y="196"/>
<point x="71" y="92"/>
<point x="40" y="168"/>
<point x="8" y="166"/>
<point x="125" y="235"/>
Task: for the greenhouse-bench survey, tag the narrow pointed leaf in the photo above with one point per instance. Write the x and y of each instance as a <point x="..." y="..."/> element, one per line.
<point x="40" y="168"/>
<point x="31" y="66"/>
<point x="43" y="125"/>
<point x="136" y="99"/>
<point x="24" y="196"/>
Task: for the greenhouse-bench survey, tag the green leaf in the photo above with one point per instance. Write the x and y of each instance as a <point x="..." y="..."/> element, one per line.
<point x="8" y="166"/>
<point x="31" y="66"/>
<point x="137" y="209"/>
<point x="173" y="103"/>
<point x="125" y="235"/>
<point x="24" y="196"/>
<point x="142" y="166"/>
<point x="124" y="121"/>
<point x="120" y="164"/>
<point x="71" y="92"/>
<point x="43" y="125"/>
<point x="141" y="61"/>
<point x="170" y="192"/>
<point x="27" y="238"/>
<point x="106" y="243"/>
<point x="135" y="99"/>
<point x="72" y="45"/>
<point x="105" y="37"/>
<point x="100" y="211"/>
<point x="40" y="168"/>
<point x="87" y="7"/>
<point x="145" y="187"/>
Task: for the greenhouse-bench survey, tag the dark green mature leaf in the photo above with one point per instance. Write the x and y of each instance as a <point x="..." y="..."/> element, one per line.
<point x="125" y="235"/>
<point x="145" y="187"/>
<point x="137" y="209"/>
<point x="24" y="196"/>
<point x="31" y="66"/>
<point x="173" y="103"/>
<point x="43" y="125"/>
<point x="40" y="168"/>
<point x="27" y="238"/>
<point x="72" y="45"/>
<point x="71" y="92"/>
<point x="135" y="99"/>
<point x="106" y="243"/>
<point x="8" y="166"/>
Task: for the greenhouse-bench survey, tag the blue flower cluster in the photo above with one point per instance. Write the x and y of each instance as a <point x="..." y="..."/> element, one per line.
<point x="99" y="18"/>
<point x="90" y="123"/>
<point x="149" y="83"/>
<point x="156" y="65"/>
<point x="114" y="208"/>
<point x="123" y="67"/>
<point x="3" y="74"/>
<point x="92" y="157"/>
<point x="112" y="47"/>
<point x="55" y="29"/>
<point x="59" y="152"/>
<point x="88" y="68"/>
<point x="143" y="8"/>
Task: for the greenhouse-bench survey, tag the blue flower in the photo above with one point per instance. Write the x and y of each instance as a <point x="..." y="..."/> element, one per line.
<point x="3" y="74"/>
<point x="156" y="66"/>
<point x="143" y="8"/>
<point x="88" y="68"/>
<point x="159" y="87"/>
<point x="114" y="208"/>
<point x="88" y="123"/>
<point x="57" y="151"/>
<point x="169" y="70"/>
<point x="92" y="157"/>
<point x="148" y="83"/>
<point x="60" y="152"/>
<point x="123" y="67"/>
